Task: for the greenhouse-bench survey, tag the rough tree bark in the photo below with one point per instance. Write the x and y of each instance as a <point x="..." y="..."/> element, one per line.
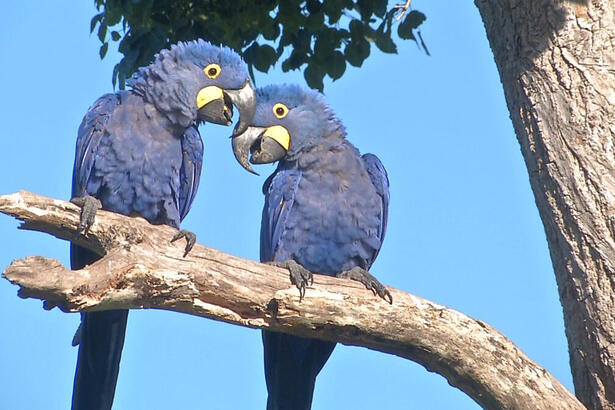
<point x="557" y="65"/>
<point x="142" y="269"/>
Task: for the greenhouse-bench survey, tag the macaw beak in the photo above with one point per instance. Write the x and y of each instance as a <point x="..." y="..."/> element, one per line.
<point x="245" y="101"/>
<point x="212" y="107"/>
<point x="215" y="105"/>
<point x="260" y="145"/>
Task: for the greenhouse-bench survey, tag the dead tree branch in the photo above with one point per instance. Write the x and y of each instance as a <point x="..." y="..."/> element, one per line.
<point x="142" y="269"/>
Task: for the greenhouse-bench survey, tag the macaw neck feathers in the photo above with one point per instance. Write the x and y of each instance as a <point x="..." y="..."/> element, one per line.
<point x="335" y="155"/>
<point x="161" y="85"/>
<point x="332" y="143"/>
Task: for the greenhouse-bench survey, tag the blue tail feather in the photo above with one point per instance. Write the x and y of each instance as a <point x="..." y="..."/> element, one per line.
<point x="100" y="338"/>
<point x="291" y="366"/>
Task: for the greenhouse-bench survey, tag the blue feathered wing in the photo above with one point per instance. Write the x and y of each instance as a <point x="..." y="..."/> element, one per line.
<point x="91" y="131"/>
<point x="279" y="189"/>
<point x="380" y="180"/>
<point x="190" y="173"/>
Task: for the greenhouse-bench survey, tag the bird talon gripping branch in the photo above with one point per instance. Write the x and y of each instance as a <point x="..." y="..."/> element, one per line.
<point x="89" y="205"/>
<point x="361" y="275"/>
<point x="299" y="276"/>
<point x="190" y="239"/>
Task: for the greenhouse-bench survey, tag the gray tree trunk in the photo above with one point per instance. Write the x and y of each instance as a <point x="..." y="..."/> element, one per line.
<point x="557" y="65"/>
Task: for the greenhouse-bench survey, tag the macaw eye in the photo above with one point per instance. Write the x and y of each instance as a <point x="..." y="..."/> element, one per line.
<point x="212" y="70"/>
<point x="280" y="110"/>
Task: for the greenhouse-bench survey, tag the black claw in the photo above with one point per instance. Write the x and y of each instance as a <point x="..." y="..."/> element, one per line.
<point x="47" y="305"/>
<point x="77" y="337"/>
<point x="89" y="205"/>
<point x="190" y="239"/>
<point x="370" y="282"/>
<point x="299" y="276"/>
<point x="387" y="293"/>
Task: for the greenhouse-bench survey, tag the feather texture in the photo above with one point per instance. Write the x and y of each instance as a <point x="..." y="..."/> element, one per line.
<point x="326" y="207"/>
<point x="140" y="153"/>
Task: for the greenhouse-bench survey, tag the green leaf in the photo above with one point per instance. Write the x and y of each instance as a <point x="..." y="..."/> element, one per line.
<point x="333" y="9"/>
<point x="271" y="30"/>
<point x="410" y="23"/>
<point x="287" y="37"/>
<point x="315" y="21"/>
<point x="266" y="58"/>
<point x="380" y="7"/>
<point x="286" y="66"/>
<point x="336" y="66"/>
<point x="290" y="14"/>
<point x="324" y="45"/>
<point x="102" y="31"/>
<point x="313" y="76"/>
<point x="250" y="53"/>
<point x="113" y="15"/>
<point x="261" y="57"/>
<point x="385" y="43"/>
<point x="294" y="61"/>
<point x="313" y="6"/>
<point x="95" y="20"/>
<point x="303" y="39"/>
<point x="366" y="9"/>
<point x="416" y="18"/>
<point x="103" y="50"/>
<point x="317" y="44"/>
<point x="357" y="51"/>
<point x="356" y="29"/>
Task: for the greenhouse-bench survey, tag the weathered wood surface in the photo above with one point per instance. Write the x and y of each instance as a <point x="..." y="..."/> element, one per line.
<point x="142" y="269"/>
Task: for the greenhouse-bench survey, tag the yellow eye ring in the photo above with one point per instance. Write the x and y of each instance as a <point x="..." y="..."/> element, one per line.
<point x="280" y="110"/>
<point x="212" y="70"/>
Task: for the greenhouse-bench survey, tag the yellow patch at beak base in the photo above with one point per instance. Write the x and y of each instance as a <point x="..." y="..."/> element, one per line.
<point x="207" y="95"/>
<point x="280" y="134"/>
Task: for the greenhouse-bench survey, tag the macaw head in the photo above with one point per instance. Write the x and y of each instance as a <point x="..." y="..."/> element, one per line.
<point x="196" y="81"/>
<point x="288" y="120"/>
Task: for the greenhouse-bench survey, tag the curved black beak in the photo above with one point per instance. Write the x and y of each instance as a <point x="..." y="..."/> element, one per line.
<point x="215" y="105"/>
<point x="245" y="101"/>
<point x="216" y="112"/>
<point x="260" y="146"/>
<point x="242" y="144"/>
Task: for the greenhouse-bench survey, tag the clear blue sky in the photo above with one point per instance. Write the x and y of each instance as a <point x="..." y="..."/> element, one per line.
<point x="463" y="226"/>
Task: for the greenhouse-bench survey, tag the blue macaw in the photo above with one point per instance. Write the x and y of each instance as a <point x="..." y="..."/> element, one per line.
<point x="139" y="152"/>
<point x="325" y="211"/>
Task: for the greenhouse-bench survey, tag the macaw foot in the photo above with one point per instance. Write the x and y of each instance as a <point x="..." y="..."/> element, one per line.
<point x="190" y="239"/>
<point x="370" y="282"/>
<point x="89" y="205"/>
<point x="299" y="276"/>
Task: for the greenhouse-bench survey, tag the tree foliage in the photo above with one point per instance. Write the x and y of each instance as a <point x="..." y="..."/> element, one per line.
<point x="321" y="36"/>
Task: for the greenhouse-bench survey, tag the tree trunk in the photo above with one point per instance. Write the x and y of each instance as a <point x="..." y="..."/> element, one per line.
<point x="142" y="269"/>
<point x="557" y="65"/>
